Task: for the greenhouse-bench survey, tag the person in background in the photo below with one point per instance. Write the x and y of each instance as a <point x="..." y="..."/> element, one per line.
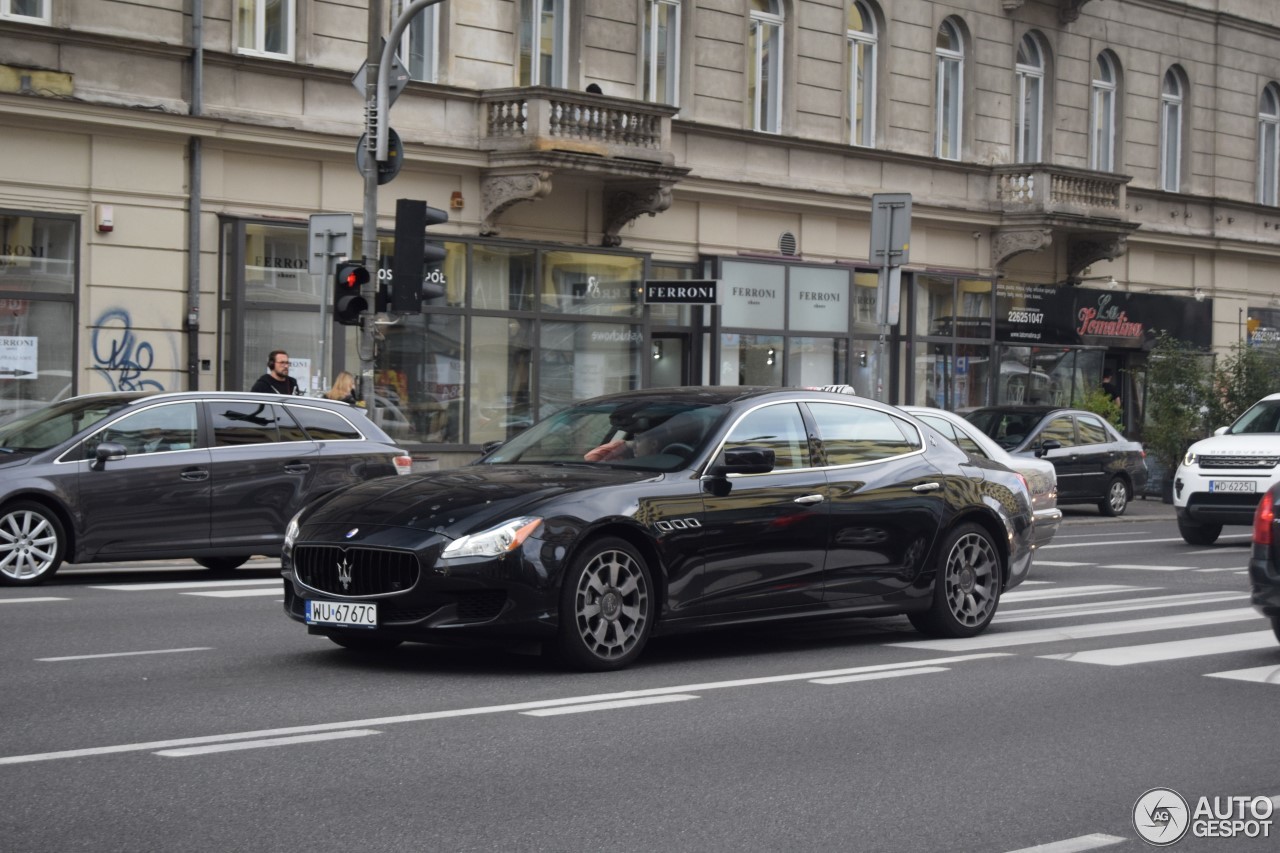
<point x="277" y="379"/>
<point x="1109" y="386"/>
<point x="344" y="388"/>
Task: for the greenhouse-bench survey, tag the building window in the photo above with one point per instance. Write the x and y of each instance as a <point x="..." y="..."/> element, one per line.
<point x="949" y="51"/>
<point x="1029" y="82"/>
<point x="1269" y="145"/>
<point x="1172" y="94"/>
<point x="27" y="11"/>
<point x="420" y="44"/>
<point x="265" y="28"/>
<point x="662" y="51"/>
<point x="862" y="40"/>
<point x="544" y="42"/>
<point x="1102" y="121"/>
<point x="765" y="79"/>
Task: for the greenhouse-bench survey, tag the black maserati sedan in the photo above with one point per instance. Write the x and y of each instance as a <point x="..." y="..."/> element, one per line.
<point x="659" y="511"/>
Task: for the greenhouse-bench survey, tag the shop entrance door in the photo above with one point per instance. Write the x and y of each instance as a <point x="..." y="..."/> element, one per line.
<point x="670" y="364"/>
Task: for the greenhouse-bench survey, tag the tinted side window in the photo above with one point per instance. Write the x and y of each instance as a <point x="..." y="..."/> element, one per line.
<point x="1092" y="431"/>
<point x="780" y="428"/>
<point x="153" y="430"/>
<point x="236" y="423"/>
<point x="854" y="434"/>
<point x="956" y="435"/>
<point x="323" y="425"/>
<point x="1060" y="429"/>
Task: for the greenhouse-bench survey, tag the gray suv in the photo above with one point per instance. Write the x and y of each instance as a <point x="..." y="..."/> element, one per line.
<point x="210" y="476"/>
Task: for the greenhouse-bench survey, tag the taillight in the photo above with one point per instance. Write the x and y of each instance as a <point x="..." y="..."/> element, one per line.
<point x="1263" y="517"/>
<point x="403" y="463"/>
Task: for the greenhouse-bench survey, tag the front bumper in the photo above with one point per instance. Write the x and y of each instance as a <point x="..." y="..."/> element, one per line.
<point x="1198" y="498"/>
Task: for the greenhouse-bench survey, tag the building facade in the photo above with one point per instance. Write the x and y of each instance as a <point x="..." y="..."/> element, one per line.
<point x="1082" y="174"/>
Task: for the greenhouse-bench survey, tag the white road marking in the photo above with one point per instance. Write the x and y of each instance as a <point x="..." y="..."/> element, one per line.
<point x="1074" y="845"/>
<point x="1094" y="544"/>
<point x="156" y="587"/>
<point x="1260" y="674"/>
<point x="237" y="593"/>
<point x="1178" y="649"/>
<point x="259" y="744"/>
<point x="609" y="706"/>
<point x="1231" y="569"/>
<point x="1146" y="568"/>
<point x="1060" y="563"/>
<point x="472" y="712"/>
<point x="871" y="676"/>
<point x="1095" y="609"/>
<point x="1036" y="583"/>
<point x="1071" y="592"/>
<point x="129" y="654"/>
<point x="25" y="600"/>
<point x="1081" y="632"/>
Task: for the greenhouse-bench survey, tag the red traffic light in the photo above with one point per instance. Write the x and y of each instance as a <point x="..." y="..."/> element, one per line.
<point x="348" y="304"/>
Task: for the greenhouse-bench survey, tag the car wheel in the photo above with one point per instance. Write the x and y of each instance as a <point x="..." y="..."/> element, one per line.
<point x="606" y="607"/>
<point x="966" y="590"/>
<point x="1199" y="534"/>
<point x="365" y="642"/>
<point x="222" y="564"/>
<point x="1117" y="499"/>
<point x="32" y="544"/>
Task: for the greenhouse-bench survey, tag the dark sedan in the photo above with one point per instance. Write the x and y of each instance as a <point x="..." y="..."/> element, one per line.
<point x="1264" y="559"/>
<point x="1095" y="464"/>
<point x="210" y="476"/>
<point x="659" y="511"/>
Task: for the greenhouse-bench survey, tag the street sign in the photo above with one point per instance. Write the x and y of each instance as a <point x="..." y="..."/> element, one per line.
<point x="387" y="169"/>
<point x="399" y="79"/>
<point x="330" y="240"/>
<point x="682" y="292"/>
<point x="890" y="229"/>
<point x="889" y="296"/>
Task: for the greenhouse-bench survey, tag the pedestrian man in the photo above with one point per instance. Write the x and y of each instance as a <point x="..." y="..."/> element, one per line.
<point x="277" y="379"/>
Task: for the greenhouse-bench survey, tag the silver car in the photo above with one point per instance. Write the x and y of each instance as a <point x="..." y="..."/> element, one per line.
<point x="1041" y="476"/>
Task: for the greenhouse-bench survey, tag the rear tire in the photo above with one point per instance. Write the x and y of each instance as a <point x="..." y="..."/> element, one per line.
<point x="1117" y="499"/>
<point x="966" y="588"/>
<point x="1199" y="534"/>
<point x="32" y="544"/>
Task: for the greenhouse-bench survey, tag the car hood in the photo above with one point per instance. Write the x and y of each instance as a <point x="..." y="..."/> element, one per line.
<point x="1248" y="444"/>
<point x="13" y="460"/>
<point x="462" y="500"/>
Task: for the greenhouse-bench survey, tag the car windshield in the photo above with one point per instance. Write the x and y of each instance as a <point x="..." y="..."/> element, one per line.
<point x="50" y="426"/>
<point x="648" y="434"/>
<point x="1262" y="417"/>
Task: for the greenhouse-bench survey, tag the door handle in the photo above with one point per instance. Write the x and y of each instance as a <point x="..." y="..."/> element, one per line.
<point x="926" y="487"/>
<point x="194" y="475"/>
<point x="810" y="499"/>
<point x="297" y="467"/>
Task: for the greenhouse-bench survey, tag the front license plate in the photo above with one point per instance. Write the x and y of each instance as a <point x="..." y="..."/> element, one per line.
<point x="342" y="613"/>
<point x="1231" y="485"/>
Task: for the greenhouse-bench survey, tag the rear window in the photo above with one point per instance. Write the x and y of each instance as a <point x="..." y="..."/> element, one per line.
<point x="323" y="425"/>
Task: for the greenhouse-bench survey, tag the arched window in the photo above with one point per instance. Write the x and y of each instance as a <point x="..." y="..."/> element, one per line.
<point x="1102" y="118"/>
<point x="1269" y="145"/>
<point x="765" y="81"/>
<point x="662" y="51"/>
<point x="862" y="43"/>
<point x="1172" y="95"/>
<point x="1028" y="72"/>
<point x="420" y="44"/>
<point x="949" y="108"/>
<point x="544" y="42"/>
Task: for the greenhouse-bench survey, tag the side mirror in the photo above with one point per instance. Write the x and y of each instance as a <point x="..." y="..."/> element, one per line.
<point x="1047" y="445"/>
<point x="744" y="460"/>
<point x="108" y="451"/>
<point x="1221" y="430"/>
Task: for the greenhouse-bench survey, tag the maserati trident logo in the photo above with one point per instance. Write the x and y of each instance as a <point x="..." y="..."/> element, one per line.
<point x="344" y="572"/>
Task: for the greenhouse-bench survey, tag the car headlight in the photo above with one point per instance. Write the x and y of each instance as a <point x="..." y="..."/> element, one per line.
<point x="1189" y="458"/>
<point x="291" y="532"/>
<point x="495" y="541"/>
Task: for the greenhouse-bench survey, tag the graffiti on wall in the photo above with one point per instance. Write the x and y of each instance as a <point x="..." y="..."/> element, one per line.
<point x="120" y="356"/>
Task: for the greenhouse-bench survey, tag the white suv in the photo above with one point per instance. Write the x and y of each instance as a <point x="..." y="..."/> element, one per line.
<point x="1221" y="478"/>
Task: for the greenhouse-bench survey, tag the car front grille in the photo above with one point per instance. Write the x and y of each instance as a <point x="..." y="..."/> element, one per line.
<point x="355" y="571"/>
<point x="1235" y="462"/>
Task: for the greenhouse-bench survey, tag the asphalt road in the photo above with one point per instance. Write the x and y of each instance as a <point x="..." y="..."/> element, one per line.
<point x="149" y="708"/>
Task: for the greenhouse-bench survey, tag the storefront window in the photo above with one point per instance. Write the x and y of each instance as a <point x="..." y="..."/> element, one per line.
<point x="953" y="376"/>
<point x="503" y="278"/>
<point x="754" y="295"/>
<point x="276" y="260"/>
<point x="500" y="375"/>
<point x="751" y="359"/>
<point x="38" y="262"/>
<point x="817" y="361"/>
<point x="818" y="300"/>
<point x="581" y="360"/>
<point x="592" y="283"/>
<point x="865" y="291"/>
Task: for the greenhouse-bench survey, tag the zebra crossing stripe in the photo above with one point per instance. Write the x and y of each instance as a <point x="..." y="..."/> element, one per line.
<point x="1175" y="650"/>
<point x="1068" y="592"/>
<point x="1146" y="568"/>
<point x="1261" y="674"/>
<point x="1093" y="608"/>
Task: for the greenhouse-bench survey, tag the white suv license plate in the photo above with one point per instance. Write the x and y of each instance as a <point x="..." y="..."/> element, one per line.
<point x="342" y="613"/>
<point x="1231" y="485"/>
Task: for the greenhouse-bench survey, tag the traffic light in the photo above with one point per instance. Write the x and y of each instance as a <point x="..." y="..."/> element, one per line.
<point x="348" y="304"/>
<point x="410" y="282"/>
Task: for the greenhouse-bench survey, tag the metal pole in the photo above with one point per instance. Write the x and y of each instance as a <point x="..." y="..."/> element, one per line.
<point x="369" y="233"/>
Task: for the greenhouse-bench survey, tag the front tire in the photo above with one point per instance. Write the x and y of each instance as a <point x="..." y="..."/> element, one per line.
<point x="32" y="544"/>
<point x="966" y="589"/>
<point x="1117" y="499"/>
<point x="606" y="607"/>
<point x="1199" y="534"/>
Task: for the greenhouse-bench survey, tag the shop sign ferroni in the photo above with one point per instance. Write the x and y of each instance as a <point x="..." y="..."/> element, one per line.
<point x="686" y="292"/>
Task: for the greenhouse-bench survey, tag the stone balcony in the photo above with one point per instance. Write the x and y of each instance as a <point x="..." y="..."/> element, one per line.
<point x="534" y="133"/>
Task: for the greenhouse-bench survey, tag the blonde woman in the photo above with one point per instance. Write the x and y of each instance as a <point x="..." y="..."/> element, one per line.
<point x="344" y="388"/>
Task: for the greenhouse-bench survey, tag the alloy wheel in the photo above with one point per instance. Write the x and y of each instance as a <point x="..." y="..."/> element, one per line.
<point x="611" y="604"/>
<point x="29" y="544"/>
<point x="971" y="579"/>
